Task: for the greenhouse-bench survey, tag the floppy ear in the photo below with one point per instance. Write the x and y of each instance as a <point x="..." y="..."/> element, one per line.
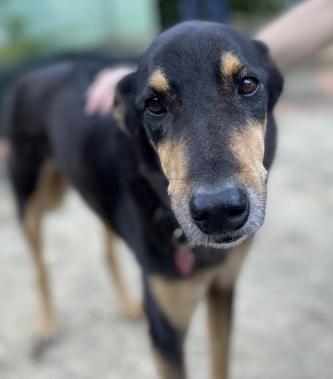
<point x="124" y="109"/>
<point x="275" y="79"/>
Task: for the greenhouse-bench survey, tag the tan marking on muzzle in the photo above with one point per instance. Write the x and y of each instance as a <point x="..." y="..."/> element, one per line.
<point x="230" y="64"/>
<point x="173" y="158"/>
<point x="159" y="82"/>
<point x="248" y="146"/>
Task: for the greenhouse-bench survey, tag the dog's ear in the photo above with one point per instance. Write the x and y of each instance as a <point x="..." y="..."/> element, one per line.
<point x="124" y="109"/>
<point x="275" y="79"/>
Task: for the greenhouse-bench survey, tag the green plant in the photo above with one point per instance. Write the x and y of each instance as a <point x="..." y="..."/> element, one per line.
<point x="18" y="45"/>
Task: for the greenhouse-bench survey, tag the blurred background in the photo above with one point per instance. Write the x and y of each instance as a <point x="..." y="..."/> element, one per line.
<point x="284" y="309"/>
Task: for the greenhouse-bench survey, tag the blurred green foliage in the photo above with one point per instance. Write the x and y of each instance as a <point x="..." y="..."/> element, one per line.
<point x="16" y="44"/>
<point x="29" y="28"/>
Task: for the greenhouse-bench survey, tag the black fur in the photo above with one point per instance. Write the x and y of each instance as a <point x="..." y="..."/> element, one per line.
<point x="118" y="173"/>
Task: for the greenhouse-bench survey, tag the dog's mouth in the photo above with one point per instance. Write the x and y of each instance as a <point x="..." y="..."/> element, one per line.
<point x="227" y="241"/>
<point x="224" y="242"/>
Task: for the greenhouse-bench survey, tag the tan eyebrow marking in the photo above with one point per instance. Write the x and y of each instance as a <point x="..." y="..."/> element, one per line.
<point x="158" y="81"/>
<point x="230" y="64"/>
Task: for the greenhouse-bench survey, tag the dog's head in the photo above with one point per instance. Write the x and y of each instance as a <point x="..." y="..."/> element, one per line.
<point x="203" y="94"/>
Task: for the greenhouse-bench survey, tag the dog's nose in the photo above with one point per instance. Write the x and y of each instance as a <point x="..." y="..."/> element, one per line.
<point x="222" y="210"/>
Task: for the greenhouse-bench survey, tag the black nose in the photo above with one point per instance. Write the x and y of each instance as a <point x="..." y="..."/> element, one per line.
<point x="219" y="211"/>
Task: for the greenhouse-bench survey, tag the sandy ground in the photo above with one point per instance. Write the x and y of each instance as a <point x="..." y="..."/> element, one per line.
<point x="284" y="318"/>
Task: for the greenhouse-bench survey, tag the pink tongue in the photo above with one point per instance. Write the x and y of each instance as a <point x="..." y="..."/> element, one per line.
<point x="184" y="260"/>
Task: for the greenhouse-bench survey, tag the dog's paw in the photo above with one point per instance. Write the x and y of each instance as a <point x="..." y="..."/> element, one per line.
<point x="43" y="342"/>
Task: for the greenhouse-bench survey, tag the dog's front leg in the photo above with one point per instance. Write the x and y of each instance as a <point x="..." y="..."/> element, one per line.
<point x="169" y="306"/>
<point x="220" y="304"/>
<point x="219" y="325"/>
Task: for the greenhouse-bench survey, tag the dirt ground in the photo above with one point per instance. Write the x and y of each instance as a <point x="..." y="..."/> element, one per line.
<point x="284" y="310"/>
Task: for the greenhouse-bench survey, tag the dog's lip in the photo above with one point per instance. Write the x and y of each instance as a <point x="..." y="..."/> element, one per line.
<point x="228" y="242"/>
<point x="226" y="239"/>
<point x="223" y="242"/>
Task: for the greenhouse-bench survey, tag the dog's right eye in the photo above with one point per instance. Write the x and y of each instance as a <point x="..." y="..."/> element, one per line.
<point x="247" y="86"/>
<point x="155" y="106"/>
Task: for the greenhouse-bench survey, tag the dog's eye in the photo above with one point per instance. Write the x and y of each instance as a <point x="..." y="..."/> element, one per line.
<point x="247" y="86"/>
<point x="155" y="106"/>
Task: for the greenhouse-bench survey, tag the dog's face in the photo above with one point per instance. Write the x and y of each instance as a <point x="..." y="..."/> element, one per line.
<point x="203" y="93"/>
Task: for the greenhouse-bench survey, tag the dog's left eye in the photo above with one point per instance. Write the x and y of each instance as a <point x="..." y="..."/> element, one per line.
<point x="247" y="86"/>
<point x="155" y="106"/>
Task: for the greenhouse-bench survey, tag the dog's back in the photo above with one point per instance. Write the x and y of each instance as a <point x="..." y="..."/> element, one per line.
<point x="46" y="122"/>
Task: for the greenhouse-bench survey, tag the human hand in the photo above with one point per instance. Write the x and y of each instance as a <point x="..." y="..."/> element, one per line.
<point x="101" y="92"/>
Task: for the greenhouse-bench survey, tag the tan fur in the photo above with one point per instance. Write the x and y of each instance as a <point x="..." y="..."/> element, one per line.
<point x="159" y="82"/>
<point x="248" y="148"/>
<point x="48" y="194"/>
<point x="230" y="64"/>
<point x="50" y="187"/>
<point x="130" y="307"/>
<point x="173" y="158"/>
<point x="178" y="300"/>
<point x="47" y="324"/>
<point x="219" y="313"/>
<point x="230" y="270"/>
<point x="167" y="370"/>
<point x="219" y="310"/>
<point x="118" y="112"/>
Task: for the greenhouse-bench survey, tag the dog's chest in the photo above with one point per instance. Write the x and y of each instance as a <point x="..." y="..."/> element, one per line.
<point x="225" y="270"/>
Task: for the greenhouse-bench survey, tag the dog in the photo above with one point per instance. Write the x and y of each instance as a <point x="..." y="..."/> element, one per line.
<point x="178" y="171"/>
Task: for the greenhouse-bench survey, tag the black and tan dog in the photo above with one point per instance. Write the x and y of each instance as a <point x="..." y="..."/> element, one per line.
<point x="179" y="171"/>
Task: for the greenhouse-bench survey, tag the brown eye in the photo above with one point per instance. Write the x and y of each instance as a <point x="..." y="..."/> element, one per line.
<point x="247" y="86"/>
<point x="155" y="106"/>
